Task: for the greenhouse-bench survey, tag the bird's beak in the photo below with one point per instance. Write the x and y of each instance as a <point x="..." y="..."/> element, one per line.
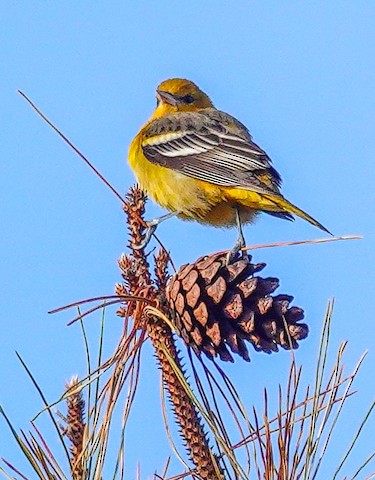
<point x="167" y="98"/>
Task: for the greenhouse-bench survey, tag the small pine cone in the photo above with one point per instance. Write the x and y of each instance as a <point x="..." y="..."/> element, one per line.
<point x="215" y="306"/>
<point x="75" y="427"/>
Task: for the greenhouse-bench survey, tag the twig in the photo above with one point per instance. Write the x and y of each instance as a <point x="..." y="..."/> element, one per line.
<point x="71" y="145"/>
<point x="297" y="242"/>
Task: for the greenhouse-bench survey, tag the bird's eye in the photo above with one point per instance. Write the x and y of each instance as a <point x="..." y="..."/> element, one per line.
<point x="157" y="101"/>
<point x="187" y="99"/>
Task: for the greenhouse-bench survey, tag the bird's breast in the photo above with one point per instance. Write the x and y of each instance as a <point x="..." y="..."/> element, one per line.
<point x="171" y="189"/>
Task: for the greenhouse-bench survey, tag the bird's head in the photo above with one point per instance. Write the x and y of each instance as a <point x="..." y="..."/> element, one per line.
<point x="180" y="95"/>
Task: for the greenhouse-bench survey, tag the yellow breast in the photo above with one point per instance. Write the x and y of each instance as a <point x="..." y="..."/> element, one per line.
<point x="170" y="189"/>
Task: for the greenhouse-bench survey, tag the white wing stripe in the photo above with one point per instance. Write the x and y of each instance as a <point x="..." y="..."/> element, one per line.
<point x="206" y="140"/>
<point x="208" y="176"/>
<point x="188" y="142"/>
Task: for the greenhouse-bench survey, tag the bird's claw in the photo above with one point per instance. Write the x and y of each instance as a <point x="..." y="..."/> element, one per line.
<point x="151" y="227"/>
<point x="235" y="252"/>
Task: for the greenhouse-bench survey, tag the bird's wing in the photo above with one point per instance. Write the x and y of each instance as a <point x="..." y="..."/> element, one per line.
<point x="211" y="146"/>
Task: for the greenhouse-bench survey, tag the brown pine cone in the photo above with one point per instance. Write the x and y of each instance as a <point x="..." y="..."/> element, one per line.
<point x="216" y="306"/>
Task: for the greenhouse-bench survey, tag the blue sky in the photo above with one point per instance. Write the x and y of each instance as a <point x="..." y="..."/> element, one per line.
<point x="300" y="75"/>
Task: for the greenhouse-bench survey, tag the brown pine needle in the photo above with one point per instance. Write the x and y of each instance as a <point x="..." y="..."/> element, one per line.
<point x="121" y="298"/>
<point x="303" y="242"/>
<point x="71" y="145"/>
<point x="297" y="242"/>
<point x="12" y="467"/>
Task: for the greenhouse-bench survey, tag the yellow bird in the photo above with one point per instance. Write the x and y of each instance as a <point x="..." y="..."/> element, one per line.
<point x="201" y="164"/>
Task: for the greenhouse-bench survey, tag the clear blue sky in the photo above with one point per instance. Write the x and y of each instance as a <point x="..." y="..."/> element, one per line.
<point x="300" y="75"/>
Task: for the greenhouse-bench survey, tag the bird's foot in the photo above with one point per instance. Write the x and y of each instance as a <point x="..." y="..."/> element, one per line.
<point x="237" y="253"/>
<point x="152" y="225"/>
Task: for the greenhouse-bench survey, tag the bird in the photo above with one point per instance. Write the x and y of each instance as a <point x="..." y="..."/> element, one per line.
<point x="201" y="164"/>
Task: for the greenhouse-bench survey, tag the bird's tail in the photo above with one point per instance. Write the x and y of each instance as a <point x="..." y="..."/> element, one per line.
<point x="287" y="206"/>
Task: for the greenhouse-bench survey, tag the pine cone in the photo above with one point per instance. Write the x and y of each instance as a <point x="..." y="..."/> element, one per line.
<point x="216" y="306"/>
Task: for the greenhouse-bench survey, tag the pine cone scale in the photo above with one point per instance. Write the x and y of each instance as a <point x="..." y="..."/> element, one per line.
<point x="217" y="290"/>
<point x="217" y="308"/>
<point x="201" y="314"/>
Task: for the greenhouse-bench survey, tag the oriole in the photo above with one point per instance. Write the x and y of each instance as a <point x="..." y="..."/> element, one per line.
<point x="202" y="164"/>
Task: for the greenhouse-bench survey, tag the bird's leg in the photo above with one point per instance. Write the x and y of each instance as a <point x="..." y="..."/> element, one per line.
<point x="240" y="242"/>
<point x="152" y="225"/>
